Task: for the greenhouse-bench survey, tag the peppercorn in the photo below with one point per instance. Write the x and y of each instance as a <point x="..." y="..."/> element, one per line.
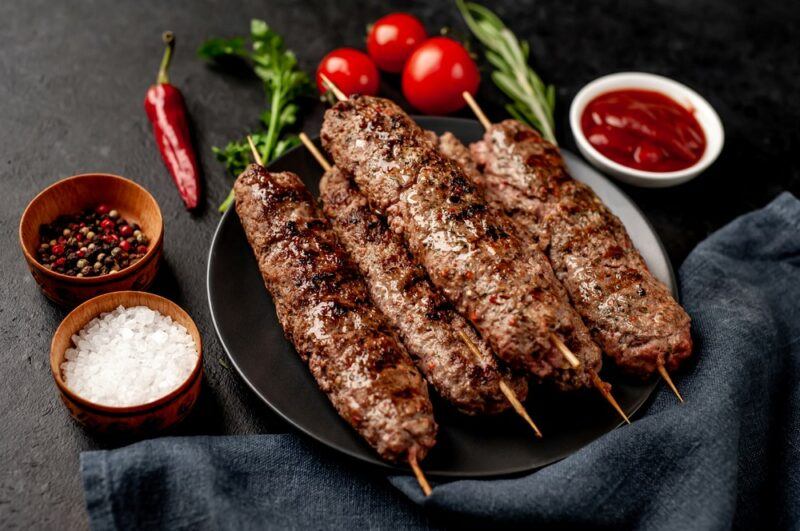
<point x="92" y="243"/>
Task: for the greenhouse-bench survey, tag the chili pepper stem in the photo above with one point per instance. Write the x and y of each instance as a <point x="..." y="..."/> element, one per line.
<point x="169" y="39"/>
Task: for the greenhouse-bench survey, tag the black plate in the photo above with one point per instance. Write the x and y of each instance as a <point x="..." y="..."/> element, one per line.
<point x="245" y="320"/>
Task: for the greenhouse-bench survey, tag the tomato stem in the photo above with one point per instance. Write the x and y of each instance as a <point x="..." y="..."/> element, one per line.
<point x="169" y="39"/>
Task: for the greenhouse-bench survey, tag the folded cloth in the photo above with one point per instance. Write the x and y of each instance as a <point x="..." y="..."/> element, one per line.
<point x="728" y="457"/>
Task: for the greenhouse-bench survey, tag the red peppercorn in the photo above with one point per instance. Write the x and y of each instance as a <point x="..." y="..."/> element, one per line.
<point x="125" y="245"/>
<point x="57" y="249"/>
<point x="125" y="231"/>
<point x="111" y="238"/>
<point x="60" y="261"/>
<point x="107" y="224"/>
<point x="80" y="254"/>
<point x="102" y="210"/>
<point x="141" y="249"/>
<point x="79" y="237"/>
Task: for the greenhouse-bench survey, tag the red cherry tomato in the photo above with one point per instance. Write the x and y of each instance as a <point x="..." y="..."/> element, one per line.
<point x="393" y="38"/>
<point x="350" y="70"/>
<point x="437" y="73"/>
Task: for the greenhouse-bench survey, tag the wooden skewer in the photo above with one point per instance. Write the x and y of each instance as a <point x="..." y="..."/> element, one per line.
<point x="518" y="407"/>
<point x="423" y="482"/>
<point x="333" y="88"/>
<point x="504" y="387"/>
<point x="314" y="151"/>
<point x="664" y="374"/>
<point x="601" y="386"/>
<point x="565" y="351"/>
<point x="256" y="155"/>
<point x="477" y="110"/>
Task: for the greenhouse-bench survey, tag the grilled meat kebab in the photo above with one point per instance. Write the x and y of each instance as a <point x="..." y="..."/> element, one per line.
<point x="631" y="315"/>
<point x="505" y="288"/>
<point x="467" y="376"/>
<point x="325" y="310"/>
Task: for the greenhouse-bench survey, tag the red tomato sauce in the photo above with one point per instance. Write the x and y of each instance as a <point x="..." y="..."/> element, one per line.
<point x="643" y="129"/>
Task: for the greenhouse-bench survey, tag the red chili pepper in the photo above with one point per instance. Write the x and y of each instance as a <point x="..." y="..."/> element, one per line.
<point x="167" y="112"/>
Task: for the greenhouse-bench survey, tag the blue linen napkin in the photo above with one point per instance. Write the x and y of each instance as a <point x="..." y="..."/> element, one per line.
<point x="729" y="457"/>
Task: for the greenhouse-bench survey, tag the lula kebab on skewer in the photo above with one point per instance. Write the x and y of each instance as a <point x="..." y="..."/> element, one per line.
<point x="325" y="310"/>
<point x="630" y="314"/>
<point x="454" y="359"/>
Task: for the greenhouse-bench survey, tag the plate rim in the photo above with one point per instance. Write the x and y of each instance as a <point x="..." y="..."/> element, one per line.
<point x="372" y="459"/>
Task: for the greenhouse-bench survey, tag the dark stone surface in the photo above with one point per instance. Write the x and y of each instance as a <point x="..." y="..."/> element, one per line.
<point x="72" y="79"/>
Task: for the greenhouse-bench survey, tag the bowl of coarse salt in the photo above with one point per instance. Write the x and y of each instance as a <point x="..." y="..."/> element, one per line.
<point x="128" y="361"/>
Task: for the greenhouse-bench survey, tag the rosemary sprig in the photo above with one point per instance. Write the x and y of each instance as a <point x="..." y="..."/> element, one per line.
<point x="531" y="100"/>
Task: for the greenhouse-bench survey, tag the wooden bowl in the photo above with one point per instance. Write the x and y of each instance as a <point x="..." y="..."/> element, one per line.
<point x="145" y="418"/>
<point x="73" y="195"/>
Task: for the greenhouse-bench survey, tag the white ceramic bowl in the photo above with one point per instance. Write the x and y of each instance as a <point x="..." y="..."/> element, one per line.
<point x="705" y="114"/>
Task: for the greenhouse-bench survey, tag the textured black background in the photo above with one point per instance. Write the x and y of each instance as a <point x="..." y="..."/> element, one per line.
<point x="72" y="79"/>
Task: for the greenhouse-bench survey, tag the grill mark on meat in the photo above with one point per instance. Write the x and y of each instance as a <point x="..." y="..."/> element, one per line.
<point x="422" y="318"/>
<point x="631" y="314"/>
<point x="325" y="311"/>
<point x="470" y="252"/>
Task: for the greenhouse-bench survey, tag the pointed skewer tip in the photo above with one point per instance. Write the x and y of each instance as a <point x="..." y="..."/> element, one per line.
<point x="506" y="390"/>
<point x="519" y="408"/>
<point x="423" y="482"/>
<point x="600" y="385"/>
<point x="665" y="375"/>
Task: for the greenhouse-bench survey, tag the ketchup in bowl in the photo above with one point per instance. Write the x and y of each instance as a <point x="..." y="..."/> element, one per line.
<point x="644" y="130"/>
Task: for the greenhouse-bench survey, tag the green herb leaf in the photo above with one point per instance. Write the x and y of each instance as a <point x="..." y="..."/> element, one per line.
<point x="531" y="100"/>
<point x="283" y="85"/>
<point x="217" y="48"/>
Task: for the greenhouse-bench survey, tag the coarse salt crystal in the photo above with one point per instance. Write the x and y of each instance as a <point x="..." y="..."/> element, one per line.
<point x="128" y="357"/>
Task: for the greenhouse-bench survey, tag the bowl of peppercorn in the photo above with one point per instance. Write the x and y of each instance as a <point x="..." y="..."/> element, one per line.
<point x="92" y="234"/>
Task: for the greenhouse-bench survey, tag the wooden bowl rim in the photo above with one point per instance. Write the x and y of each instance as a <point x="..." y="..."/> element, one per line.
<point x="139" y="408"/>
<point x="102" y="279"/>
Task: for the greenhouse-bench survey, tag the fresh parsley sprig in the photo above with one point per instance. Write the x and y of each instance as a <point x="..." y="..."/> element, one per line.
<point x="283" y="83"/>
<point x="531" y="100"/>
